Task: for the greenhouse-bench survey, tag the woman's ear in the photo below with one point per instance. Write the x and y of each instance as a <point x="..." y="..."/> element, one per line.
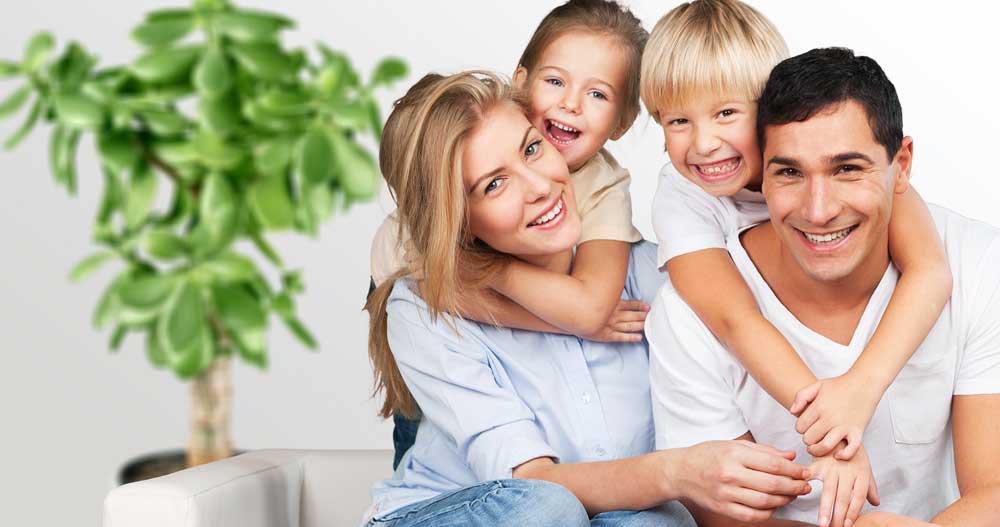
<point x="520" y="77"/>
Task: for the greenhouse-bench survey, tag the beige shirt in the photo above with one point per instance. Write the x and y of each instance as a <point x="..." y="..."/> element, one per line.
<point x="602" y="200"/>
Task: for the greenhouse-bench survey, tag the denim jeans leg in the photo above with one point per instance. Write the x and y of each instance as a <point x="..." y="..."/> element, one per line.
<point x="404" y="434"/>
<point x="670" y="514"/>
<point x="500" y="503"/>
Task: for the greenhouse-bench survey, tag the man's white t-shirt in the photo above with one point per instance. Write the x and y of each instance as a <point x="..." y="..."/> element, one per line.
<point x="701" y="392"/>
<point x="688" y="219"/>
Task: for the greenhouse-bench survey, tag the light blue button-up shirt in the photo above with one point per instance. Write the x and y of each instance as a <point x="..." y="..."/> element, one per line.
<point x="493" y="398"/>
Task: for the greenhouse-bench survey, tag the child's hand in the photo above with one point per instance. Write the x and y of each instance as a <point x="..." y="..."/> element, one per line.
<point x="625" y="324"/>
<point x="413" y="261"/>
<point x="832" y="410"/>
<point x="846" y="485"/>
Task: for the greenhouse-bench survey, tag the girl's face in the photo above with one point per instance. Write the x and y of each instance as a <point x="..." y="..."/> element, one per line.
<point x="576" y="93"/>
<point x="519" y="197"/>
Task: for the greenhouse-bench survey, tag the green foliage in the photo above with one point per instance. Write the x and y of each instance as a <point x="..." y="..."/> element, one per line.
<point x="245" y="135"/>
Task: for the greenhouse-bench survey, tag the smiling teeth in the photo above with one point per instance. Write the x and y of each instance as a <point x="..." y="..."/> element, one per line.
<point x="548" y="217"/>
<point x="827" y="238"/>
<point x="717" y="169"/>
<point x="562" y="126"/>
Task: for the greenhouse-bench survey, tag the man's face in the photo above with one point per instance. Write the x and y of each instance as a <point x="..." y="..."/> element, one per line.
<point x="829" y="188"/>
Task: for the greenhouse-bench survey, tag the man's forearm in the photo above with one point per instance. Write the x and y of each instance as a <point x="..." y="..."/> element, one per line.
<point x="978" y="508"/>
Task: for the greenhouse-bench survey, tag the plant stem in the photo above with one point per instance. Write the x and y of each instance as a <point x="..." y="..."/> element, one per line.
<point x="211" y="409"/>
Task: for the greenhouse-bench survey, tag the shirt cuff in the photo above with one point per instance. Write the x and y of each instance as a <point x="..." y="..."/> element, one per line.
<point x="495" y="453"/>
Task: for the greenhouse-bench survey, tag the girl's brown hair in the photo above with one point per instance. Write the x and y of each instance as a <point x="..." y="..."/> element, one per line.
<point x="602" y="17"/>
<point x="420" y="158"/>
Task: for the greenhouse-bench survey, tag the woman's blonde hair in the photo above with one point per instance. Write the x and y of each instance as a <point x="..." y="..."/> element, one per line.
<point x="420" y="158"/>
<point x="601" y="17"/>
<point x="722" y="47"/>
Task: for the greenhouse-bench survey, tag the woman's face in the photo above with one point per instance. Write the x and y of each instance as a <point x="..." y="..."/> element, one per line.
<point x="519" y="196"/>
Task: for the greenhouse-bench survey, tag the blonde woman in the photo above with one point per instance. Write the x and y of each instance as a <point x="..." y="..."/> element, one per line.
<point x="519" y="427"/>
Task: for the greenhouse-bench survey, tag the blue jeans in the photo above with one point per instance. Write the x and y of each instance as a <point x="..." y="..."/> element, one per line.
<point x="523" y="503"/>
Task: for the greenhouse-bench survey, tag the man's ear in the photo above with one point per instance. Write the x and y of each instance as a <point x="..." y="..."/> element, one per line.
<point x="520" y="77"/>
<point x="903" y="163"/>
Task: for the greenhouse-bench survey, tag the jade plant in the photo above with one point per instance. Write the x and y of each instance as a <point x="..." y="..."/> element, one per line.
<point x="216" y="134"/>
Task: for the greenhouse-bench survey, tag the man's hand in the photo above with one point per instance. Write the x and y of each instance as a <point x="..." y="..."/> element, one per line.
<point x="833" y="410"/>
<point x="888" y="519"/>
<point x="846" y="484"/>
<point x="625" y="324"/>
<point x="741" y="479"/>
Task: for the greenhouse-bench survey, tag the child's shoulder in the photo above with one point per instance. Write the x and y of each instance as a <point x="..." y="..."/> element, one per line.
<point x="601" y="165"/>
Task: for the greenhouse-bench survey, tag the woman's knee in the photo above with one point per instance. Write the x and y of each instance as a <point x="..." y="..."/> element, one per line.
<point x="542" y="503"/>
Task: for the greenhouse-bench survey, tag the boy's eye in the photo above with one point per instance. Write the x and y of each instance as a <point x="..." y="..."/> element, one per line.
<point x="554" y="82"/>
<point x="533" y="148"/>
<point x="677" y="122"/>
<point x="727" y="112"/>
<point x="598" y="95"/>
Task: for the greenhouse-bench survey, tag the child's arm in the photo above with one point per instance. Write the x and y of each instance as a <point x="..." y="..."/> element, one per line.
<point x="703" y="278"/>
<point x="845" y="404"/>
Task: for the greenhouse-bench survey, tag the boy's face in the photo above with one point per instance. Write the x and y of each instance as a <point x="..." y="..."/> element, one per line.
<point x="576" y="94"/>
<point x="712" y="142"/>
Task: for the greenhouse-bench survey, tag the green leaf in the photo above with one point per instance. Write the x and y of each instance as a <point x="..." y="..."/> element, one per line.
<point x="265" y="61"/>
<point x="155" y="33"/>
<point x="79" y="111"/>
<point x="271" y="203"/>
<point x="9" y="69"/>
<point x="176" y="153"/>
<point x="229" y="268"/>
<point x="117" y="337"/>
<point x="14" y="101"/>
<point x="274" y="156"/>
<point x="285" y="104"/>
<point x="221" y="116"/>
<point x="194" y="360"/>
<point x="252" y="345"/>
<point x="62" y="156"/>
<point x="26" y="128"/>
<point x="321" y="201"/>
<point x="153" y="350"/>
<point x="181" y="330"/>
<point x="354" y="115"/>
<point x="140" y="195"/>
<point x="218" y="203"/>
<point x="164" y="123"/>
<point x="111" y="199"/>
<point x="142" y="299"/>
<point x="375" y="117"/>
<point x="118" y="151"/>
<point x="72" y="68"/>
<point x="390" y="70"/>
<point x="164" y="245"/>
<point x="283" y="305"/>
<point x="265" y="248"/>
<point x="90" y="264"/>
<point x="292" y="282"/>
<point x="357" y="172"/>
<point x="215" y="152"/>
<point x="38" y="50"/>
<point x="165" y="65"/>
<point x="237" y="308"/>
<point x="213" y="76"/>
<point x="300" y="332"/>
<point x="316" y="156"/>
<point x="250" y="26"/>
<point x="169" y="13"/>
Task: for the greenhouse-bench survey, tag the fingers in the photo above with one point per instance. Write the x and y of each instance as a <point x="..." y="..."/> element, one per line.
<point x="827" y="500"/>
<point x="632" y="305"/>
<point x="816" y="431"/>
<point x="768" y="449"/>
<point x="857" y="501"/>
<point x="842" y="501"/>
<point x="807" y="419"/>
<point x="853" y="444"/>
<point x="829" y="442"/>
<point x="803" y="398"/>
<point x="618" y="336"/>
<point x="769" y="464"/>
<point x="758" y="500"/>
<point x="628" y="327"/>
<point x="873" y="492"/>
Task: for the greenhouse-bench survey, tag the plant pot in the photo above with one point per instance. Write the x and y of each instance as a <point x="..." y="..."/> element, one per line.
<point x="154" y="465"/>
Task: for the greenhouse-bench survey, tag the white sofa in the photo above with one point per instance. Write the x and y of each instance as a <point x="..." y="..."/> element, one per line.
<point x="264" y="488"/>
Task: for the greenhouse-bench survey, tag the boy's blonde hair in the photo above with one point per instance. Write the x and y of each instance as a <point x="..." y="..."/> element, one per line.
<point x="420" y="158"/>
<point x="717" y="46"/>
<point x="602" y="17"/>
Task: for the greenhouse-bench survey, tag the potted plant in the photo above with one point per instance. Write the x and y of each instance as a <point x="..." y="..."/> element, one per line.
<point x="246" y="137"/>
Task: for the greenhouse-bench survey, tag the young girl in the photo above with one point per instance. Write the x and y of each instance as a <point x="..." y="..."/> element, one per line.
<point x="580" y="71"/>
<point x="703" y="69"/>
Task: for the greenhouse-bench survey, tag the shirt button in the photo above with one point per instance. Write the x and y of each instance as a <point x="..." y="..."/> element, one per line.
<point x="600" y="451"/>
<point x="586" y="398"/>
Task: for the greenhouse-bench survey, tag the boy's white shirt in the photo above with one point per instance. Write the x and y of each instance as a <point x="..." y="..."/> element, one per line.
<point x="601" y="187"/>
<point x="701" y="392"/>
<point x="688" y="219"/>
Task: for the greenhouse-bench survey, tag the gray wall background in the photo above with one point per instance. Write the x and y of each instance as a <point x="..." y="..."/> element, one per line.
<point x="72" y="412"/>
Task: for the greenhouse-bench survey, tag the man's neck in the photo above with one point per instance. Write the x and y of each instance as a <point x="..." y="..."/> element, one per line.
<point x="831" y="308"/>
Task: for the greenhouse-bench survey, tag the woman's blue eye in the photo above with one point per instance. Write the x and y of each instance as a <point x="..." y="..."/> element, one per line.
<point x="533" y="148"/>
<point x="491" y="186"/>
<point x="554" y="82"/>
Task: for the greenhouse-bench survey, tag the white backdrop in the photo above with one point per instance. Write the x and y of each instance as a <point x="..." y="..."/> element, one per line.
<point x="72" y="412"/>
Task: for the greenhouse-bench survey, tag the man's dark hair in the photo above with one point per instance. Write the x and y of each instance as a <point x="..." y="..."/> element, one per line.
<point x="801" y="86"/>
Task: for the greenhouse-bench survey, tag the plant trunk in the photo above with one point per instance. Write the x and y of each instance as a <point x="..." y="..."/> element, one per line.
<point x="211" y="408"/>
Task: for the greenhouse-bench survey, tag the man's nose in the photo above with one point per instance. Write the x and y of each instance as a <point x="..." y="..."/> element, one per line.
<point x="820" y="205"/>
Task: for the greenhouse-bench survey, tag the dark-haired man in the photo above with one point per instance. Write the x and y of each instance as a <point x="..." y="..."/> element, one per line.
<point x="834" y="155"/>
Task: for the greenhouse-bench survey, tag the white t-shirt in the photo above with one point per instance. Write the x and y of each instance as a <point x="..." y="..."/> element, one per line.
<point x="701" y="392"/>
<point x="688" y="219"/>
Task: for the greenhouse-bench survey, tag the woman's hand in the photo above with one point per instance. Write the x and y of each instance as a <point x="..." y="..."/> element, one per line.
<point x="741" y="479"/>
<point x="834" y="410"/>
<point x="625" y="324"/>
<point x="846" y="484"/>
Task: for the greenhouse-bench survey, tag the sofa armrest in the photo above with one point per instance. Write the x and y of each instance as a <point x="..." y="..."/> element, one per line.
<point x="257" y="489"/>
